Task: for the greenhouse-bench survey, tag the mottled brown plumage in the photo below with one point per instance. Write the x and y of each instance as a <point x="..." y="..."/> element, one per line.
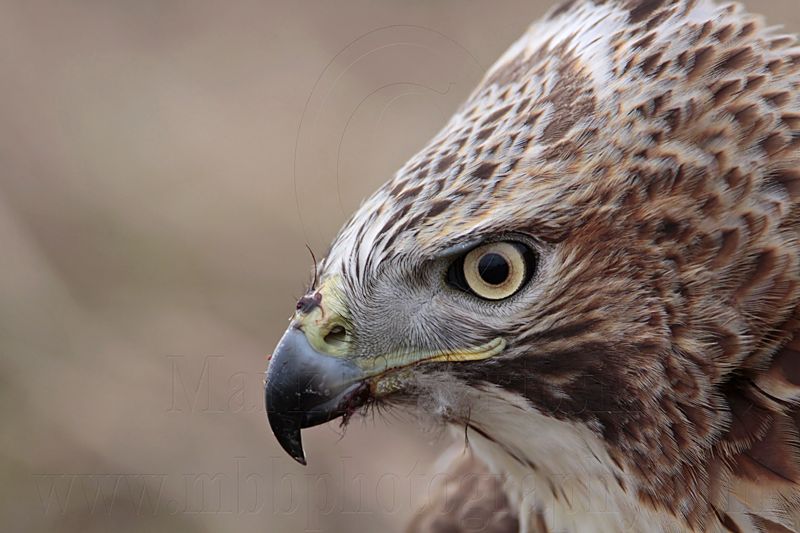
<point x="468" y="499"/>
<point x="649" y="151"/>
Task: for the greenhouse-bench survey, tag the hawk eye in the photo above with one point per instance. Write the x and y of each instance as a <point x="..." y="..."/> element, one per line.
<point x="493" y="271"/>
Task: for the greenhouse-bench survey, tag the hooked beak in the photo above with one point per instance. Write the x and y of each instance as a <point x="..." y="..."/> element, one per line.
<point x="315" y="376"/>
<point x="305" y="388"/>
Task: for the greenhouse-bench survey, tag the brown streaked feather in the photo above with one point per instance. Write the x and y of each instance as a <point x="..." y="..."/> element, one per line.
<point x="469" y="499"/>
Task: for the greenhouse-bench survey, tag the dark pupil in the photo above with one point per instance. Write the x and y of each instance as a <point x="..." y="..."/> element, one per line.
<point x="493" y="269"/>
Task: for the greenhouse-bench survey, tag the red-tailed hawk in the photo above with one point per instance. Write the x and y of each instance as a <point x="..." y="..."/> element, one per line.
<point x="592" y="271"/>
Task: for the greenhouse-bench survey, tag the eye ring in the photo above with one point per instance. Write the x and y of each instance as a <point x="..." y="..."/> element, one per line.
<point x="493" y="271"/>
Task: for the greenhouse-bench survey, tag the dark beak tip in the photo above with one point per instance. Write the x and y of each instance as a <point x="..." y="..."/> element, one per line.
<point x="287" y="433"/>
<point x="304" y="388"/>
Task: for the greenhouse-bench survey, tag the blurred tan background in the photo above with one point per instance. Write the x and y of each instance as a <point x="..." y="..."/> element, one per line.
<point x="164" y="165"/>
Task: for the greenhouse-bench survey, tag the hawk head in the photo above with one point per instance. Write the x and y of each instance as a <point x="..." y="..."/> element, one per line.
<point x="593" y="268"/>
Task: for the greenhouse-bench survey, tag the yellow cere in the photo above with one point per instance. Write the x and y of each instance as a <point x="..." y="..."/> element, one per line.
<point x="324" y="318"/>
